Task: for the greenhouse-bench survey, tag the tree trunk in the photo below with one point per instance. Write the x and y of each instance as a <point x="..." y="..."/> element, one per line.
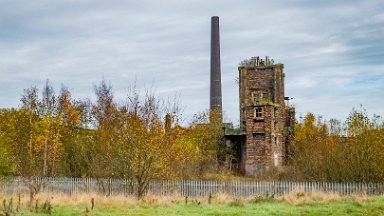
<point x="45" y="157"/>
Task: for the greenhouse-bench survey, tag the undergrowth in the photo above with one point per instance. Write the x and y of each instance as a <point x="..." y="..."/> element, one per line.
<point x="94" y="204"/>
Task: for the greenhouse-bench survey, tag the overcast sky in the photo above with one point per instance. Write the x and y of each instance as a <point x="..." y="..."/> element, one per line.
<point x="332" y="51"/>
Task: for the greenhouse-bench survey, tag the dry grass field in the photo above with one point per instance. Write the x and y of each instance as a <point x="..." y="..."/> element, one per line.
<point x="295" y="203"/>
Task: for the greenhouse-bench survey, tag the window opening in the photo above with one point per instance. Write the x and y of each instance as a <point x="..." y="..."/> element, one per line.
<point x="259" y="112"/>
<point x="256" y="97"/>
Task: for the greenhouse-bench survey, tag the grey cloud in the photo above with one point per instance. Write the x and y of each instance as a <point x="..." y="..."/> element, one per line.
<point x="326" y="46"/>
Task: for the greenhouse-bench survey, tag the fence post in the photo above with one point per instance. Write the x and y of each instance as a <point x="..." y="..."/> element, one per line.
<point x="190" y="188"/>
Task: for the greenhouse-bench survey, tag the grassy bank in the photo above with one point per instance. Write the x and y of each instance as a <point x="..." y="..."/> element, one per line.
<point x="296" y="203"/>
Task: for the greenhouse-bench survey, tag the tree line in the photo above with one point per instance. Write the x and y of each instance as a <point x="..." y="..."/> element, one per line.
<point x="54" y="135"/>
<point x="335" y="151"/>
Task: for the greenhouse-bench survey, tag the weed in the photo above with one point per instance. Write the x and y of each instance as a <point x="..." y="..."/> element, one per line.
<point x="8" y="208"/>
<point x="237" y="203"/>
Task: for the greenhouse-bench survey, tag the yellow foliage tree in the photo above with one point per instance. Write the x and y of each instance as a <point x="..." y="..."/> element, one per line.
<point x="349" y="153"/>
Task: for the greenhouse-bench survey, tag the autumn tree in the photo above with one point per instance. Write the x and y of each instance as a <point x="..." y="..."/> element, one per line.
<point x="309" y="135"/>
<point x="206" y="134"/>
<point x="142" y="143"/>
<point x="7" y="165"/>
<point x="77" y="139"/>
<point x="28" y="115"/>
<point x="339" y="152"/>
<point x="104" y="114"/>
<point x="43" y="127"/>
<point x="47" y="132"/>
<point x="364" y="149"/>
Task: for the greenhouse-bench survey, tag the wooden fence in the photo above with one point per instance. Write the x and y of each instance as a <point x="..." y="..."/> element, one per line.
<point x="191" y="188"/>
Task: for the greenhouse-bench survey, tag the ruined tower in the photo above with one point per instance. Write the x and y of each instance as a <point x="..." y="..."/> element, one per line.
<point x="262" y="114"/>
<point x="266" y="123"/>
<point x="215" y="89"/>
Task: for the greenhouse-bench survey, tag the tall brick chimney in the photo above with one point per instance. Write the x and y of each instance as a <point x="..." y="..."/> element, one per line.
<point x="215" y="91"/>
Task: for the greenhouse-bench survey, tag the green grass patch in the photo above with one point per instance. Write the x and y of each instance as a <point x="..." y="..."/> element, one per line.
<point x="374" y="206"/>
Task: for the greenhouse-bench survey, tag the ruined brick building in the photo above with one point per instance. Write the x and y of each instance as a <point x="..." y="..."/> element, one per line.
<point x="266" y="123"/>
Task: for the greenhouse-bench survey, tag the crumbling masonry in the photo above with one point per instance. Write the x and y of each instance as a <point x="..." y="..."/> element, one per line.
<point x="266" y="123"/>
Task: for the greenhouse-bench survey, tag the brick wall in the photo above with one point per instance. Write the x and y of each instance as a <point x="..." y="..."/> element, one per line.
<point x="262" y="87"/>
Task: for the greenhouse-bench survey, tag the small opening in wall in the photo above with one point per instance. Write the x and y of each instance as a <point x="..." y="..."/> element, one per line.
<point x="256" y="97"/>
<point x="265" y="96"/>
<point x="258" y="112"/>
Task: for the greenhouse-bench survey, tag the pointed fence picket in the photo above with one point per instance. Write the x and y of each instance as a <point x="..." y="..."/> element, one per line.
<point x="190" y="188"/>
